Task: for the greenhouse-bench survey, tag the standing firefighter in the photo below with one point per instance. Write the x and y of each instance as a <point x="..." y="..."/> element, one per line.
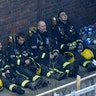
<point x="22" y="62"/>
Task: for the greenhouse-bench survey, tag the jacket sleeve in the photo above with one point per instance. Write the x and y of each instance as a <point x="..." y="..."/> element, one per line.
<point x="13" y="59"/>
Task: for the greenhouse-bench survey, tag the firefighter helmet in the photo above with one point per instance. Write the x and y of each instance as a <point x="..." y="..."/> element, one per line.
<point x="12" y="38"/>
<point x="54" y="20"/>
<point x="38" y="71"/>
<point x="69" y="56"/>
<point x="1" y="85"/>
<point x="87" y="54"/>
<point x="32" y="30"/>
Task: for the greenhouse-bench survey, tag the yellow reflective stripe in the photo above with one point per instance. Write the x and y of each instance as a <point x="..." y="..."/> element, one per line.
<point x="62" y="45"/>
<point x="74" y="43"/>
<point x="24" y="83"/>
<point x="32" y="59"/>
<point x="79" y="40"/>
<point x="43" y="55"/>
<point x="18" y="62"/>
<point x="49" y="73"/>
<point x="11" y="86"/>
<point x="57" y="70"/>
<point x="85" y="63"/>
<point x="6" y="66"/>
<point x="65" y="64"/>
<point x="35" y="78"/>
<point x="56" y="50"/>
<point x="1" y="69"/>
<point x="18" y="57"/>
<point x="67" y="71"/>
<point x="36" y="57"/>
<point x="21" y="74"/>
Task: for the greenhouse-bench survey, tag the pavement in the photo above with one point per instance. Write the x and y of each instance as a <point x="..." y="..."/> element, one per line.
<point x="53" y="84"/>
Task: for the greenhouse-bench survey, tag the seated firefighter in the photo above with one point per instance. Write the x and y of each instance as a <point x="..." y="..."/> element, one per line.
<point x="22" y="61"/>
<point x="52" y="63"/>
<point x="66" y="39"/>
<point x="87" y="57"/>
<point x="66" y="36"/>
<point x="4" y="75"/>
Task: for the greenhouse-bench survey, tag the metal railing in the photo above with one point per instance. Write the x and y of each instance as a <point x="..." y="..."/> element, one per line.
<point x="77" y="84"/>
<point x="83" y="91"/>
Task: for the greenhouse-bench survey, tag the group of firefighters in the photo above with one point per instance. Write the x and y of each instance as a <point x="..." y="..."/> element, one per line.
<point x="56" y="54"/>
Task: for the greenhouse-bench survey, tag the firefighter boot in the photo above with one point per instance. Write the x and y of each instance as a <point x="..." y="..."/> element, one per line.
<point x="37" y="84"/>
<point x="34" y="85"/>
<point x="18" y="90"/>
<point x="60" y="76"/>
<point x="91" y="67"/>
<point x="44" y="83"/>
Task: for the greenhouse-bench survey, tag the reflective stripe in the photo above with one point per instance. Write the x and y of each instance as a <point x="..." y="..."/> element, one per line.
<point x="43" y="55"/>
<point x="85" y="63"/>
<point x="18" y="62"/>
<point x="56" y="50"/>
<point x="74" y="43"/>
<point x="67" y="71"/>
<point x="49" y="73"/>
<point x="32" y="59"/>
<point x="65" y="64"/>
<point x="21" y="74"/>
<point x="57" y="70"/>
<point x="62" y="45"/>
<point x="1" y="69"/>
<point x="11" y="86"/>
<point x="24" y="83"/>
<point x="79" y="40"/>
<point x="36" y="57"/>
<point x="35" y="78"/>
<point x="6" y="66"/>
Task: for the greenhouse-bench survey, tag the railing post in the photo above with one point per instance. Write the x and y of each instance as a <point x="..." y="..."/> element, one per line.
<point x="78" y="82"/>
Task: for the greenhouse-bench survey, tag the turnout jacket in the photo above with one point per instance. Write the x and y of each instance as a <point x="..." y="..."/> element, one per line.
<point x="64" y="34"/>
<point x="4" y="65"/>
<point x="41" y="45"/>
<point x="19" y="53"/>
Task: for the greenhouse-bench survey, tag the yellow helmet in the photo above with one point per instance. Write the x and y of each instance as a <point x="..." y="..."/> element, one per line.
<point x="54" y="20"/>
<point x="71" y="55"/>
<point x="32" y="30"/>
<point x="1" y="85"/>
<point x="38" y="71"/>
<point x="87" y="54"/>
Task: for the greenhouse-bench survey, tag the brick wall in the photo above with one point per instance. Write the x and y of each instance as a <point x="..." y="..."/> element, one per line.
<point x="19" y="15"/>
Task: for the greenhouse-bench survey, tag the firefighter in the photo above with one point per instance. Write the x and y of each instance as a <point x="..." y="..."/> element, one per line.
<point x="66" y="39"/>
<point x="22" y="62"/>
<point x="50" y="60"/>
<point x="65" y="34"/>
<point x="4" y="71"/>
<point x="87" y="57"/>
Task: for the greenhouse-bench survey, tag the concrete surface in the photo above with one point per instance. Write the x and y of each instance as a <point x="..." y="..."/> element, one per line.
<point x="53" y="84"/>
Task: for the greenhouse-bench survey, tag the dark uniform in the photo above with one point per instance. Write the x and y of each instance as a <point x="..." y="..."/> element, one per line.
<point x="65" y="37"/>
<point x="42" y="48"/>
<point x="17" y="55"/>
<point x="11" y="79"/>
